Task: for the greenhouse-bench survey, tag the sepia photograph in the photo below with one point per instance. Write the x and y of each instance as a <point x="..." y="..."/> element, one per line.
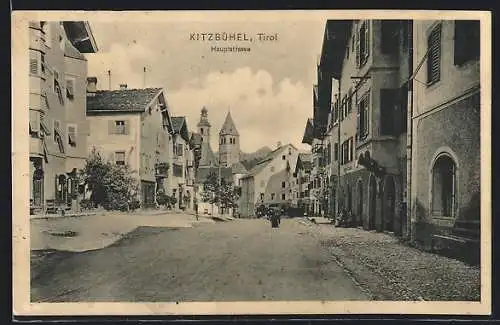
<point x="325" y="162"/>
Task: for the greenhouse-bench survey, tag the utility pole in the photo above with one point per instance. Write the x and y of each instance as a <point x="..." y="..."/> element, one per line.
<point x="144" y="79"/>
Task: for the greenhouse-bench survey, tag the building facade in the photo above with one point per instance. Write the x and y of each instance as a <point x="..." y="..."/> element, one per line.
<point x="269" y="181"/>
<point x="133" y="127"/>
<point x="57" y="101"/>
<point x="182" y="175"/>
<point x="445" y="137"/>
<point x="364" y="71"/>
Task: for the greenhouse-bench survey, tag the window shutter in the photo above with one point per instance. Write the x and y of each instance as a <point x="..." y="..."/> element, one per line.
<point x="434" y="56"/>
<point x="33" y="66"/>
<point x="359" y="107"/>
<point x="367" y="113"/>
<point x="126" y="126"/>
<point x="356" y="36"/>
<point x="111" y="127"/>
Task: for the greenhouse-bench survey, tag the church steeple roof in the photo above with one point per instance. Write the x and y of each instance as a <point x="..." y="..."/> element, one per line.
<point x="229" y="128"/>
<point x="204" y="118"/>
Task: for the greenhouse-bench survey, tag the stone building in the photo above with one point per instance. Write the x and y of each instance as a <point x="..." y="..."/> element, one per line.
<point x="362" y="107"/>
<point x="269" y="181"/>
<point x="57" y="124"/>
<point x="133" y="127"/>
<point x="445" y="134"/>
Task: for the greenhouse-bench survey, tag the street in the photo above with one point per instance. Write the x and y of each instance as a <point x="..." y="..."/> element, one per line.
<point x="242" y="260"/>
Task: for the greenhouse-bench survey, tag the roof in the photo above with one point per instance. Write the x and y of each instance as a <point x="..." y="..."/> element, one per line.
<point x="179" y="124"/>
<point x="207" y="156"/>
<point x="239" y="168"/>
<point x="335" y="38"/>
<point x="228" y="128"/>
<point x="195" y="138"/>
<point x="203" y="172"/>
<point x="71" y="52"/>
<point x="81" y="36"/>
<point x="127" y="100"/>
<point x="308" y="132"/>
<point x="304" y="161"/>
<point x="266" y="160"/>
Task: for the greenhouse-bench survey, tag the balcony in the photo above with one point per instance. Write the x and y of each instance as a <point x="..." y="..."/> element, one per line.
<point x="161" y="170"/>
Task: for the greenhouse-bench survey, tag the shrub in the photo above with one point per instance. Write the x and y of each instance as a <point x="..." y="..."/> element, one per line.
<point x="112" y="186"/>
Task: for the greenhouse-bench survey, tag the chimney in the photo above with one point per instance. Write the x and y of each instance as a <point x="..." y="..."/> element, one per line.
<point x="109" y="79"/>
<point x="123" y="86"/>
<point x="91" y="86"/>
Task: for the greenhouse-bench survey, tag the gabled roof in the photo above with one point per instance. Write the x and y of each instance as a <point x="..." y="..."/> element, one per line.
<point x="195" y="139"/>
<point x="304" y="161"/>
<point x="71" y="52"/>
<point x="208" y="157"/>
<point x="266" y="160"/>
<point x="127" y="100"/>
<point x="308" y="132"/>
<point x="228" y="128"/>
<point x="238" y="168"/>
<point x="179" y="124"/>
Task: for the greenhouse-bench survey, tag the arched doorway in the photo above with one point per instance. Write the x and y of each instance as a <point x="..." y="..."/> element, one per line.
<point x="389" y="203"/>
<point x="444" y="187"/>
<point x="372" y="206"/>
<point x="359" y="214"/>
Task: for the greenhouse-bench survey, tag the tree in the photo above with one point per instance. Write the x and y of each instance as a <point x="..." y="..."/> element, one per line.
<point x="112" y="186"/>
<point x="222" y="194"/>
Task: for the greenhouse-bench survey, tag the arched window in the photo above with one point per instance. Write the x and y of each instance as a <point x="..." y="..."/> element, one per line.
<point x="201" y="130"/>
<point x="444" y="187"/>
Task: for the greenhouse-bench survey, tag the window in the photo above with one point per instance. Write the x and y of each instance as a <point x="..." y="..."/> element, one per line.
<point x="72" y="135"/>
<point x="363" y="44"/>
<point x="390" y="36"/>
<point x="272" y="196"/>
<point x="390" y="118"/>
<point x="289" y="151"/>
<point x="177" y="170"/>
<point x="70" y="88"/>
<point x="262" y="196"/>
<point x="444" y="187"/>
<point x="363" y="116"/>
<point x="283" y="184"/>
<point x="347" y="151"/>
<point x="349" y="100"/>
<point x="283" y="157"/>
<point x="201" y="130"/>
<point x="336" y="152"/>
<point x="434" y="56"/>
<point x="118" y="127"/>
<point x="58" y="139"/>
<point x="467" y="41"/>
<point x="179" y="150"/>
<point x="34" y="66"/>
<point x="283" y="196"/>
<point x="120" y="158"/>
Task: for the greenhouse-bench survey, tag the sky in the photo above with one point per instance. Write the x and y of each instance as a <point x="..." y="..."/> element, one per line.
<point x="267" y="90"/>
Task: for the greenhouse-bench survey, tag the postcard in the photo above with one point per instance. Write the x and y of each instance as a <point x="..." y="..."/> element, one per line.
<point x="251" y="162"/>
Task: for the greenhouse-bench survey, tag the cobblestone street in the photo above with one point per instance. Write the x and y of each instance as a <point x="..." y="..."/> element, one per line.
<point x="248" y="260"/>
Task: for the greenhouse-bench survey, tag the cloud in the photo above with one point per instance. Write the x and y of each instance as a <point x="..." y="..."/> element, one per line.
<point x="124" y="61"/>
<point x="265" y="111"/>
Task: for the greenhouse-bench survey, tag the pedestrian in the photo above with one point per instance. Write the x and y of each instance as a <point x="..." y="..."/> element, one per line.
<point x="196" y="210"/>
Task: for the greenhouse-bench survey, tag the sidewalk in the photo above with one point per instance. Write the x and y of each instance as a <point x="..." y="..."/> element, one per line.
<point x="99" y="230"/>
<point x="391" y="270"/>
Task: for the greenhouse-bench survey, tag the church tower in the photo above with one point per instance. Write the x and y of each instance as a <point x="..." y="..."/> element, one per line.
<point x="229" y="143"/>
<point x="204" y="126"/>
